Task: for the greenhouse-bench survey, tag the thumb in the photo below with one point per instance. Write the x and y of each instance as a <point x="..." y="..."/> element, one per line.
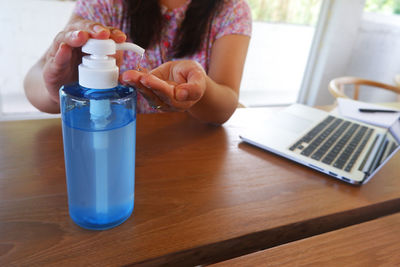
<point x="188" y="92"/>
<point x="194" y="88"/>
<point x="63" y="56"/>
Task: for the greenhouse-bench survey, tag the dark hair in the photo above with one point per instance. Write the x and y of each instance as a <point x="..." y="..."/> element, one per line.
<point x="146" y="23"/>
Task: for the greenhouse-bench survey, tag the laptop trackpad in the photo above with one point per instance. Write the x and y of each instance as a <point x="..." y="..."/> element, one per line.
<point x="291" y="122"/>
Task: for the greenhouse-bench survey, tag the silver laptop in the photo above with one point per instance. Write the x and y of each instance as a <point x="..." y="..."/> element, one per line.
<point x="342" y="148"/>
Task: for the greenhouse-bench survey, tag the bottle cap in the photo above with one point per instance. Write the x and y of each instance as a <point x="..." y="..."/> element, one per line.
<point x="98" y="70"/>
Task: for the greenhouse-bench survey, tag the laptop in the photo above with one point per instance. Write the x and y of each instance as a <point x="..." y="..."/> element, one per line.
<point x="345" y="149"/>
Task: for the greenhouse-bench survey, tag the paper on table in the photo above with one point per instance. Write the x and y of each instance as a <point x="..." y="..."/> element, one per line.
<point x="349" y="108"/>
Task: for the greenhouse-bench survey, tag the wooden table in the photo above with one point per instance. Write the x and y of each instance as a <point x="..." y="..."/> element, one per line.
<point x="202" y="197"/>
<point x="373" y="243"/>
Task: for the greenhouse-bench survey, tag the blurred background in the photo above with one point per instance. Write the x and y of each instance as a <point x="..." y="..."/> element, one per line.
<point x="297" y="47"/>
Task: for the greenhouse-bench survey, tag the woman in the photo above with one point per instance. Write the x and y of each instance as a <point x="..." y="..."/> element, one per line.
<point x="195" y="50"/>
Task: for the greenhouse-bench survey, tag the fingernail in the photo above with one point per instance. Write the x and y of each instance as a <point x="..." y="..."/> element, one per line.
<point x="144" y="82"/>
<point x="75" y="34"/>
<point x="98" y="29"/>
<point x="117" y="32"/>
<point x="62" y="45"/>
<point x="59" y="48"/>
<point x="182" y="95"/>
<point x="126" y="78"/>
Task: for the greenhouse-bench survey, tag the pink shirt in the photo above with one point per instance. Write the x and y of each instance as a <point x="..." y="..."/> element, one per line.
<point x="234" y="18"/>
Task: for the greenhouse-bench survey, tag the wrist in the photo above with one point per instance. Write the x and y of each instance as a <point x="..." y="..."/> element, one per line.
<point x="217" y="103"/>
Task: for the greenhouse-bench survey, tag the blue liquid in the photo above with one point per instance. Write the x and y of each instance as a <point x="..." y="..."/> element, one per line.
<point x="99" y="132"/>
<point x="112" y="163"/>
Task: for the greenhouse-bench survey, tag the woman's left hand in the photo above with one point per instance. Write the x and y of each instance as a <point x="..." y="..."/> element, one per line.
<point x="173" y="86"/>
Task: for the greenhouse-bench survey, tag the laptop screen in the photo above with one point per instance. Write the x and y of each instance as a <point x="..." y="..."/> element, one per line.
<point x="395" y="130"/>
<point x="389" y="145"/>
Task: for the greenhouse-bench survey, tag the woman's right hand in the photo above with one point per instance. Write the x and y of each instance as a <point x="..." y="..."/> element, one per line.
<point x="64" y="55"/>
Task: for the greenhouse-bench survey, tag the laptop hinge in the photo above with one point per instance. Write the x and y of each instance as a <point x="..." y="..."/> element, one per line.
<point x="375" y="155"/>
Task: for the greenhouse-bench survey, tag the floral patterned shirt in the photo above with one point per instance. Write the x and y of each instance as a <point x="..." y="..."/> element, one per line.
<point x="233" y="18"/>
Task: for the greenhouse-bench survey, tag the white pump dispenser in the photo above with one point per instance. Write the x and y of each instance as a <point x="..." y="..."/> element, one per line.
<point x="98" y="70"/>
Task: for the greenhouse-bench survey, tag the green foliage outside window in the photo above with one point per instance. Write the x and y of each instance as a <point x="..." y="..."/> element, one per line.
<point x="286" y="11"/>
<point x="305" y="12"/>
<point x="383" y="6"/>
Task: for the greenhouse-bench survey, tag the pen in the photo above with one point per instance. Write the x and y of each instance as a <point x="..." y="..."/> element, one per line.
<point x="369" y="110"/>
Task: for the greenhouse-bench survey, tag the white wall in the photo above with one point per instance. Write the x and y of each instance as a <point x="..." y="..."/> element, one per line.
<point x="376" y="54"/>
<point x="28" y="28"/>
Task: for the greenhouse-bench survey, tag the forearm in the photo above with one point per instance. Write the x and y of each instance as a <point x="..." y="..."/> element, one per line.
<point x="36" y="92"/>
<point x="217" y="104"/>
<point x="223" y="80"/>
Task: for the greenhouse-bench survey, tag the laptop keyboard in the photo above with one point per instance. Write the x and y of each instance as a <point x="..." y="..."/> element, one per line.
<point x="335" y="142"/>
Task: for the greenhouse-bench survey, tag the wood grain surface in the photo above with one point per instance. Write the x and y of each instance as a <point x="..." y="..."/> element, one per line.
<point x="373" y="243"/>
<point x="201" y="197"/>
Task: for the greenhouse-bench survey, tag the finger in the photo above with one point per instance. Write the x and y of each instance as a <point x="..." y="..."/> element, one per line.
<point x="77" y="34"/>
<point x="188" y="92"/>
<point x="119" y="57"/>
<point x="55" y="67"/>
<point x="63" y="56"/>
<point x="52" y="75"/>
<point x="187" y="70"/>
<point x="132" y="77"/>
<point x="163" y="101"/>
<point x="72" y="38"/>
<point x="143" y="69"/>
<point x="152" y="81"/>
<point x="117" y="35"/>
<point x="152" y="99"/>
<point x="163" y="71"/>
<point x="179" y="75"/>
<point x="94" y="29"/>
<point x="181" y="94"/>
<point x="195" y="75"/>
<point x="156" y="91"/>
<point x="164" y="90"/>
<point x="193" y="89"/>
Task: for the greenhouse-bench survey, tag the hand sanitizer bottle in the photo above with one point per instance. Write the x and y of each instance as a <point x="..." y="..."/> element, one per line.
<point x="99" y="132"/>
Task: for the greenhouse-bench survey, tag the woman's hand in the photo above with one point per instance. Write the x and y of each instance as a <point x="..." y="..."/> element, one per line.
<point x="61" y="61"/>
<point x="173" y="86"/>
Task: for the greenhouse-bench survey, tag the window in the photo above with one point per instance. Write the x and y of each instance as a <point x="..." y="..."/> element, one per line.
<point x="387" y="7"/>
<point x="283" y="31"/>
<point x="352" y="41"/>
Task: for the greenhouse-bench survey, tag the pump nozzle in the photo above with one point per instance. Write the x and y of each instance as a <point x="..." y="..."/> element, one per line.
<point x="130" y="47"/>
<point x="109" y="47"/>
<point x="98" y="70"/>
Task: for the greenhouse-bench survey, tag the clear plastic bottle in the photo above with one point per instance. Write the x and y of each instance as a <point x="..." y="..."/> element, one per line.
<point x="99" y="132"/>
